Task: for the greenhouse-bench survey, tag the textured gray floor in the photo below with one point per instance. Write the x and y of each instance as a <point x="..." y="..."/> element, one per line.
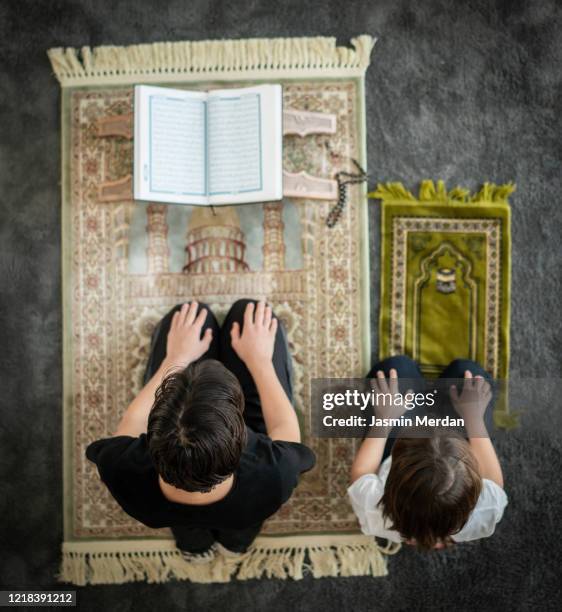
<point x="464" y="91"/>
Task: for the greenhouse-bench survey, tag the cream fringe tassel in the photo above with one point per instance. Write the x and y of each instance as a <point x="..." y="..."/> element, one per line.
<point x="225" y="59"/>
<point x="121" y="561"/>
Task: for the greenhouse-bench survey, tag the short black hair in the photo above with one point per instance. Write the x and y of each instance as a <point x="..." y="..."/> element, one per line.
<point x="196" y="431"/>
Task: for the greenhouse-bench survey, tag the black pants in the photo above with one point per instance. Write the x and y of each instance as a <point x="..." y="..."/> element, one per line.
<point x="408" y="370"/>
<point x="197" y="540"/>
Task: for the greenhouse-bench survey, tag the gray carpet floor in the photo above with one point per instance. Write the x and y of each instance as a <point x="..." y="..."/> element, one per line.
<point x="464" y="91"/>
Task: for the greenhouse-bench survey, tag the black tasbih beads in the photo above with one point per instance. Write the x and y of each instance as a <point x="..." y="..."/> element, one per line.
<point x="344" y="179"/>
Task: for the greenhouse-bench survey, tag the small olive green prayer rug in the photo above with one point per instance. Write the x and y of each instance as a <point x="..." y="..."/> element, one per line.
<point x="445" y="278"/>
<point x="126" y="263"/>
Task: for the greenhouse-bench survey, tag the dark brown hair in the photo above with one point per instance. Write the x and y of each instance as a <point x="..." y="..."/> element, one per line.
<point x="432" y="487"/>
<point x="196" y="431"/>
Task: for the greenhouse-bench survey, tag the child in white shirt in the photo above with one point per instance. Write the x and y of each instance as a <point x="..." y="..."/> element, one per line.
<point x="432" y="491"/>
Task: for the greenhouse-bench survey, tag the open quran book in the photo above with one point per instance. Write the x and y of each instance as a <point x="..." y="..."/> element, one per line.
<point x="208" y="148"/>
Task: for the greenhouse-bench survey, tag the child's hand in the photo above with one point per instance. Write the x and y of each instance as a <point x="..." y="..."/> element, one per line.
<point x="184" y="343"/>
<point x="255" y="344"/>
<point x="474" y="398"/>
<point x="386" y="408"/>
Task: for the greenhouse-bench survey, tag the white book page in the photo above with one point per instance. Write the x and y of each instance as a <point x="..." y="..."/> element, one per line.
<point x="245" y="145"/>
<point x="170" y="147"/>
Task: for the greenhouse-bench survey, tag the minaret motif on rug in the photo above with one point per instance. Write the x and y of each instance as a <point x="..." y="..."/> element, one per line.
<point x="158" y="251"/>
<point x="273" y="239"/>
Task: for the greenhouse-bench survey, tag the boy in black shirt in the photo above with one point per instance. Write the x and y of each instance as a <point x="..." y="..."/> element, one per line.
<point x="211" y="445"/>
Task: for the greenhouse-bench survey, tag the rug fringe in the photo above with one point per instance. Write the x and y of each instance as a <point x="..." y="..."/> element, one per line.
<point x="156" y="562"/>
<point x="169" y="60"/>
<point x="437" y="192"/>
<point x="505" y="419"/>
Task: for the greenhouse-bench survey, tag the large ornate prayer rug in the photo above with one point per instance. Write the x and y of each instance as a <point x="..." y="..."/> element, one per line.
<point x="445" y="278"/>
<point x="126" y="263"/>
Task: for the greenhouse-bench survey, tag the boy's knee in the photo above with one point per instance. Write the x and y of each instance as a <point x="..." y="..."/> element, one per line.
<point x="238" y="309"/>
<point x="166" y="321"/>
<point x="242" y="303"/>
<point x="403" y="359"/>
<point x="459" y="363"/>
<point x="403" y="364"/>
<point x="200" y="306"/>
<point x="458" y="367"/>
<point x="464" y="364"/>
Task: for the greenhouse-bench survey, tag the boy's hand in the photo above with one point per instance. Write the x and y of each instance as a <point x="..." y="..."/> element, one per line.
<point x="474" y="398"/>
<point x="384" y="408"/>
<point x="255" y="345"/>
<point x="184" y="344"/>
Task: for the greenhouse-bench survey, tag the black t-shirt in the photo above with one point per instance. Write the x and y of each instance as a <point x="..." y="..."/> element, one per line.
<point x="267" y="474"/>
